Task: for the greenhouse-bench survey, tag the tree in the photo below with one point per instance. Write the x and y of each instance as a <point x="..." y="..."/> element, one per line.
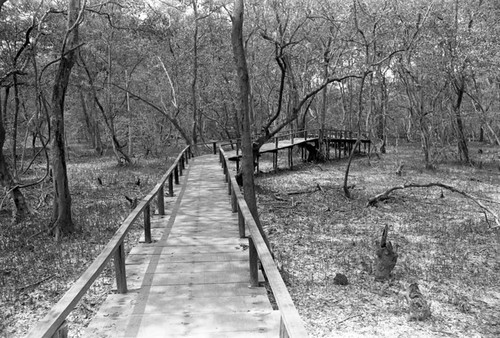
<point x="244" y="113"/>
<point x="61" y="216"/>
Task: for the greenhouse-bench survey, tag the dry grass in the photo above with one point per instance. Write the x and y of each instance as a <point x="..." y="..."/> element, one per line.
<point x="444" y="244"/>
<point x="35" y="270"/>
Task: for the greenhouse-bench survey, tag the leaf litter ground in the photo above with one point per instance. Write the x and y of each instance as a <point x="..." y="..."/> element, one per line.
<point x="444" y="244"/>
<point x="35" y="270"/>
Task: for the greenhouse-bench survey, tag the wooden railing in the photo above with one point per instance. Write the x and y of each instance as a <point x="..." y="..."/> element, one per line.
<point x="291" y="135"/>
<point x="54" y="323"/>
<point x="291" y="324"/>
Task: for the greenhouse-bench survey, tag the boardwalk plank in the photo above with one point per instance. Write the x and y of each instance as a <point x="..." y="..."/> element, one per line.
<point x="193" y="281"/>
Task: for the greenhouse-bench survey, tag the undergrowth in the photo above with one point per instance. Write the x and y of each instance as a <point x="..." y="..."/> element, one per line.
<point x="444" y="244"/>
<point x="35" y="270"/>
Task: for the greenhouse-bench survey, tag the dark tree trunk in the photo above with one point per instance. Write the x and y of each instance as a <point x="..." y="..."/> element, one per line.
<point x="194" y="94"/>
<point x="21" y="208"/>
<point x="385" y="257"/>
<point x="61" y="217"/>
<point x="463" y="149"/>
<point x="244" y="113"/>
<point x="17" y="103"/>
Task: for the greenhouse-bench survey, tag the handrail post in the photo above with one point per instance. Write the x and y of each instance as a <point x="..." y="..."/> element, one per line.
<point x="161" y="201"/>
<point x="226" y="174"/>
<point x="147" y="224"/>
<point x="234" y="202"/>
<point x="171" y="185"/>
<point x="254" y="260"/>
<point x="241" y="223"/>
<point x="283" y="333"/>
<point x="215" y="147"/>
<point x="62" y="331"/>
<point x="181" y="166"/>
<point x="186" y="157"/>
<point x="229" y="186"/>
<point x="120" y="272"/>
<point x="176" y="174"/>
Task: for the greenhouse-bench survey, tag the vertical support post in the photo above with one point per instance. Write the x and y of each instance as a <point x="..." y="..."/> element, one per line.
<point x="121" y="275"/>
<point x="170" y="185"/>
<point x="215" y="148"/>
<point x="186" y="158"/>
<point x="241" y="223"/>
<point x="234" y="202"/>
<point x="254" y="260"/>
<point x="181" y="165"/>
<point x="229" y="185"/>
<point x="176" y="174"/>
<point x="275" y="160"/>
<point x="226" y="176"/>
<point x="283" y="332"/>
<point x="62" y="331"/>
<point x="147" y="224"/>
<point x="161" y="201"/>
<point x="290" y="157"/>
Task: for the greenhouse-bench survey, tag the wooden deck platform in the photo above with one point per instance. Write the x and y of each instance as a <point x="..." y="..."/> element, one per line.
<point x="193" y="281"/>
<point x="335" y="143"/>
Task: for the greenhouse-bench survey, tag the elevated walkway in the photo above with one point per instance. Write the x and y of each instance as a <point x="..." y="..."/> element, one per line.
<point x="194" y="280"/>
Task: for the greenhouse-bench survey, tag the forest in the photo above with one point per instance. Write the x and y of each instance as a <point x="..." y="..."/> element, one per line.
<point x="95" y="97"/>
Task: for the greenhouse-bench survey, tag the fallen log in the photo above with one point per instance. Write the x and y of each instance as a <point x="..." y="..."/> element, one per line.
<point x="385" y="195"/>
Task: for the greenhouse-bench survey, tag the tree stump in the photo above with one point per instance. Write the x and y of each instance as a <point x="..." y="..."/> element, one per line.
<point x="418" y="307"/>
<point x="385" y="257"/>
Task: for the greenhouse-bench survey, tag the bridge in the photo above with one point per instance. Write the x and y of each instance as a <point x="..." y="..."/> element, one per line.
<point x="336" y="144"/>
<point x="196" y="271"/>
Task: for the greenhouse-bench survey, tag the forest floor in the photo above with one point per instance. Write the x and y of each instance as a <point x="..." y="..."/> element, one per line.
<point x="35" y="270"/>
<point x="444" y="244"/>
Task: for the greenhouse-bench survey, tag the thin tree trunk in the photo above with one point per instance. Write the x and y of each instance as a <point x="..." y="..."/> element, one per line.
<point x="130" y="120"/>
<point x="194" y="132"/>
<point x="463" y="149"/>
<point x="14" y="125"/>
<point x="62" y="218"/>
<point x="244" y="113"/>
<point x="21" y="207"/>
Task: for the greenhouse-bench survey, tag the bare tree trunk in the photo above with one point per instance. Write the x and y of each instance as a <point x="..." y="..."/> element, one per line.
<point x="463" y="150"/>
<point x="324" y="106"/>
<point x="194" y="131"/>
<point x="14" y="125"/>
<point x="21" y="208"/>
<point x="130" y="117"/>
<point x="244" y="113"/>
<point x="62" y="218"/>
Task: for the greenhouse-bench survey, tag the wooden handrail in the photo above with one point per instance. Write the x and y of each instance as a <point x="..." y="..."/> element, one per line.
<point x="291" y="324"/>
<point x="56" y="317"/>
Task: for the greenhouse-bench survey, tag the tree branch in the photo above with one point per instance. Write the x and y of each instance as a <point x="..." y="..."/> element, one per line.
<point x="373" y="201"/>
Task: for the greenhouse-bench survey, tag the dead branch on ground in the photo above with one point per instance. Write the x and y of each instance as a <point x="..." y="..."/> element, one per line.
<point x="385" y="195"/>
<point x="307" y="191"/>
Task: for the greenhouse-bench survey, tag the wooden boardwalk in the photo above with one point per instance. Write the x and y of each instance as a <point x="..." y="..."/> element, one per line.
<point x="193" y="281"/>
<point x="338" y="145"/>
